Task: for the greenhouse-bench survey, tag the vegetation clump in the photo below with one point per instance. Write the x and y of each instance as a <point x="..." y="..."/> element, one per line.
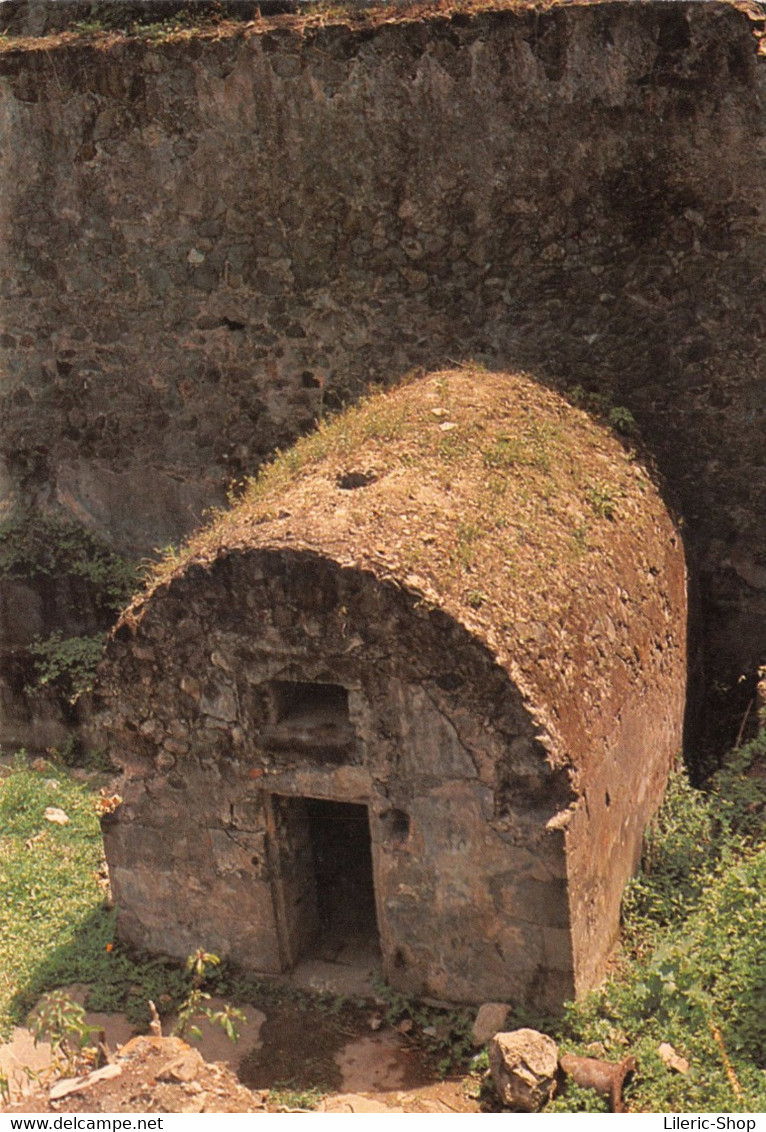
<point x="55" y="555"/>
<point x="73" y="1041"/>
<point x="37" y="545"/>
<point x="66" y="663"/>
<point x="692" y="974"/>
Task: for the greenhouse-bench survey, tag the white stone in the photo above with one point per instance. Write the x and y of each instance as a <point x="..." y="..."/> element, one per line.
<point x="54" y="814"/>
<point x="524" y="1065"/>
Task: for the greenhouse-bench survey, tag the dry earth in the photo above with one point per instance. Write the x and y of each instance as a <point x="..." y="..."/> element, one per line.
<point x="297" y="1056"/>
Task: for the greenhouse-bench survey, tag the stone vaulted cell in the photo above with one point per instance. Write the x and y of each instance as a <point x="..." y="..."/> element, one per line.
<point x="425" y="680"/>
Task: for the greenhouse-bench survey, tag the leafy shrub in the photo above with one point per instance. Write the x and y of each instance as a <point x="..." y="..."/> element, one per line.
<point x="44" y="549"/>
<point x="66" y="663"/>
<point x="741" y="783"/>
<point x="576" y="1098"/>
<point x="34" y="545"/>
<point x="679" y="849"/>
<point x="62" y="1021"/>
<point x="194" y="1007"/>
<point x="695" y="974"/>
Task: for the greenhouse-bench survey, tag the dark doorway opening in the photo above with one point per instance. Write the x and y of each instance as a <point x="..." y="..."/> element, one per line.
<point x="339" y="833"/>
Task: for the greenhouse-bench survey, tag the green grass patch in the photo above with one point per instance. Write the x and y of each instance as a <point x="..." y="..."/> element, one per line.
<point x="290" y="1097"/>
<point x="694" y="970"/>
<point x="54" y="926"/>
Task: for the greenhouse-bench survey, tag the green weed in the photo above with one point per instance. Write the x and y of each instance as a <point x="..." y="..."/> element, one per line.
<point x="67" y="664"/>
<point x="601" y="405"/>
<point x="62" y="1022"/>
<point x="694" y="973"/>
<point x="289" y="1096"/>
<point x="602" y="500"/>
<point x="194" y="1007"/>
<point x="444" y="1034"/>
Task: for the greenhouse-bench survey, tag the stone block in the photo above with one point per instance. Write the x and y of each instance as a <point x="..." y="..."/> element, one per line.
<point x="524" y="1064"/>
<point x="489" y="1021"/>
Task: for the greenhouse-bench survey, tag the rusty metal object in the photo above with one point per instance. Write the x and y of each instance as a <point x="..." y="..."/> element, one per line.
<point x="606" y="1077"/>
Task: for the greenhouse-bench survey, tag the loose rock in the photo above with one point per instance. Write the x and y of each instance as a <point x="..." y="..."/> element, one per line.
<point x="490" y="1019"/>
<point x="523" y="1065"/>
<point x="182" y="1069"/>
<point x="54" y="814"/>
<point x="672" y="1059"/>
<point x="78" y="1084"/>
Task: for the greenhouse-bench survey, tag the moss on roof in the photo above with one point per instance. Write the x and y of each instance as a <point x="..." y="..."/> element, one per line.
<point x="485" y="494"/>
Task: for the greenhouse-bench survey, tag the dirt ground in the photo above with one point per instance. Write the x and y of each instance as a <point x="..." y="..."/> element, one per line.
<point x="300" y="1055"/>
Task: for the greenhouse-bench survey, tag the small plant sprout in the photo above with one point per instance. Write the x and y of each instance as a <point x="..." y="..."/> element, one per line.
<point x="194" y="1007"/>
<point x="62" y="1021"/>
<point x="602" y="500"/>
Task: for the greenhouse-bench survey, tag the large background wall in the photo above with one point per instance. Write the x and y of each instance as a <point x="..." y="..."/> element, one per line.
<point x="205" y="242"/>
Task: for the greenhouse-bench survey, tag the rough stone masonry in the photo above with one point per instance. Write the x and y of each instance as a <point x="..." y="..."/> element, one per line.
<point x="433" y="663"/>
<point x="208" y="238"/>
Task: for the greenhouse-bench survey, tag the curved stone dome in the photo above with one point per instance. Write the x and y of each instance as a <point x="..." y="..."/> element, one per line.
<point x="457" y="608"/>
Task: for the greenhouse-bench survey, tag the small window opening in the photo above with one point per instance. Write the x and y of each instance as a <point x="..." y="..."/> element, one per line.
<point x="297" y="702"/>
<point x="310" y="719"/>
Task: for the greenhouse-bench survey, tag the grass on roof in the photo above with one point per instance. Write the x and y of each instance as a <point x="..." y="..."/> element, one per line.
<point x="484" y="490"/>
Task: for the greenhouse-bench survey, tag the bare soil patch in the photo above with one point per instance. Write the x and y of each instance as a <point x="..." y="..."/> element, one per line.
<point x="302" y="1054"/>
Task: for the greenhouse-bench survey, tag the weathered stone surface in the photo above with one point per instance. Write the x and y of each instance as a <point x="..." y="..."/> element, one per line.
<point x="497" y="769"/>
<point x="490" y="1019"/>
<point x="204" y="245"/>
<point x="524" y="1065"/>
<point x="183" y="1068"/>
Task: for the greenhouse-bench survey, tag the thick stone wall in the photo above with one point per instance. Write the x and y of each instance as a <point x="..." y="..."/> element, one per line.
<point x="471" y="903"/>
<point x="325" y="639"/>
<point x="206" y="242"/>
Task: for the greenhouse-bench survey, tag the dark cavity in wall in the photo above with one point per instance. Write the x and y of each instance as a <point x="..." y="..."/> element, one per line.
<point x="310" y="719"/>
<point x="339" y="878"/>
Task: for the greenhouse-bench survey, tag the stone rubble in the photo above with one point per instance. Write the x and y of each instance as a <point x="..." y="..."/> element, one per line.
<point x="490" y="1019"/>
<point x="524" y="1065"/>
